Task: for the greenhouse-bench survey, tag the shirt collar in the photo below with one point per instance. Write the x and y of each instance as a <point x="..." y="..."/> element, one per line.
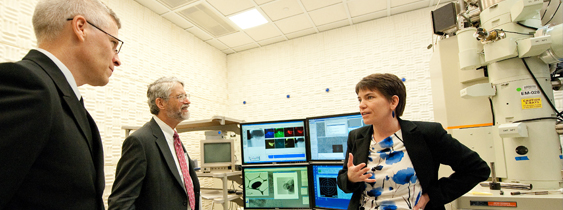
<point x="166" y="129"/>
<point x="65" y="70"/>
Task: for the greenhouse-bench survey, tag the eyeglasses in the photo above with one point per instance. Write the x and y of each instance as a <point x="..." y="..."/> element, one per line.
<point x="116" y="45"/>
<point x="182" y="97"/>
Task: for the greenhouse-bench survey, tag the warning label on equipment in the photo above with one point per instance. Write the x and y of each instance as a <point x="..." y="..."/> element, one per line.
<point x="531" y="103"/>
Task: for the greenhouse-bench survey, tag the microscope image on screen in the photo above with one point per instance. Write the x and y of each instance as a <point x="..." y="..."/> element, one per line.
<point x="269" y="142"/>
<point x="256" y="184"/>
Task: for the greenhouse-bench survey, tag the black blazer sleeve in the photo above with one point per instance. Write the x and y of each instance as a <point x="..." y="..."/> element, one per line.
<point x="25" y="120"/>
<point x="130" y="173"/>
<point x="342" y="180"/>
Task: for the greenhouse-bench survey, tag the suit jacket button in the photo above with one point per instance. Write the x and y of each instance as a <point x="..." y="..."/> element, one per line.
<point x="185" y="203"/>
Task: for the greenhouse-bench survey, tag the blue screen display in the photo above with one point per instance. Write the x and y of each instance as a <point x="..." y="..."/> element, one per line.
<point x="326" y="192"/>
<point x="273" y="142"/>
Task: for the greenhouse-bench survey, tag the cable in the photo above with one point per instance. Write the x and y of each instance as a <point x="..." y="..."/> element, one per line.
<point x="541" y="89"/>
<point x="517" y="33"/>
<point x="534" y="119"/>
<point x="525" y="26"/>
<point x="554" y="13"/>
<point x="545" y="11"/>
<point x="492" y="110"/>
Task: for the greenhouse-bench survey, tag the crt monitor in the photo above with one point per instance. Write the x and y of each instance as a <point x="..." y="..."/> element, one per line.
<point x="217" y="153"/>
<point x="273" y="187"/>
<point x="328" y="135"/>
<point x="273" y="142"/>
<point x="326" y="193"/>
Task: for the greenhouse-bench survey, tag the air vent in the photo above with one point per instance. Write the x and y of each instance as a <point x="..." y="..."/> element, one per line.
<point x="175" y="3"/>
<point x="207" y="20"/>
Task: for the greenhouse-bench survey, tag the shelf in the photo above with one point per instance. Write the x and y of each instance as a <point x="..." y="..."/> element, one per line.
<point x="215" y="123"/>
<point x="217" y="195"/>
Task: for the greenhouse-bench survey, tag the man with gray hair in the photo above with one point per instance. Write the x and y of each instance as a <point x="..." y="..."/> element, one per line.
<point x="51" y="154"/>
<point x="155" y="171"/>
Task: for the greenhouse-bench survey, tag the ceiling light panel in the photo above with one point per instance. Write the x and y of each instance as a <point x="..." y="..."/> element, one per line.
<point x="208" y="20"/>
<point x="229" y="7"/>
<point x="263" y="32"/>
<point x="248" y="19"/>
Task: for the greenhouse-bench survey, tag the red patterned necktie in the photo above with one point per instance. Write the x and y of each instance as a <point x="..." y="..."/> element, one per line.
<point x="184" y="166"/>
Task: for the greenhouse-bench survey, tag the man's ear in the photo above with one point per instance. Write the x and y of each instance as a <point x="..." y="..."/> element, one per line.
<point x="78" y="24"/>
<point x="160" y="102"/>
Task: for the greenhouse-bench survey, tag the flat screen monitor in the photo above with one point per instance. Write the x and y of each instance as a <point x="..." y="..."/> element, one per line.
<point x="269" y="187"/>
<point x="328" y="135"/>
<point x="217" y="153"/>
<point x="326" y="193"/>
<point x="273" y="142"/>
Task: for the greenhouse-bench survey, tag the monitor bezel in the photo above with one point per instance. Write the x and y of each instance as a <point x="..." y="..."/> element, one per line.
<point x="312" y="181"/>
<point x="309" y="181"/>
<point x="204" y="165"/>
<point x="273" y="121"/>
<point x="308" y="134"/>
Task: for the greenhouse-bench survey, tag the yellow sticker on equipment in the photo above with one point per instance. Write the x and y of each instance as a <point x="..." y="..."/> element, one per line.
<point x="531" y="103"/>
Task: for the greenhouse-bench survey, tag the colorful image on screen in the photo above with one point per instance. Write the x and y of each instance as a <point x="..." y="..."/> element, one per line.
<point x="276" y="187"/>
<point x="327" y="194"/>
<point x="273" y="142"/>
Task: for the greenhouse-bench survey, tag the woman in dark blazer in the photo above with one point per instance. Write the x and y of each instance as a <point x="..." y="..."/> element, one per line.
<point x="393" y="164"/>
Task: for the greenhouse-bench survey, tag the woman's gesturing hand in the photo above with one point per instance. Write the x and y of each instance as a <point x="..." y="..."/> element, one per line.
<point x="357" y="173"/>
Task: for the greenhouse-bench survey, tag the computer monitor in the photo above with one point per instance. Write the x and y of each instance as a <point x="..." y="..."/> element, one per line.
<point x="326" y="193"/>
<point x="217" y="154"/>
<point x="273" y="187"/>
<point x="328" y="135"/>
<point x="273" y="142"/>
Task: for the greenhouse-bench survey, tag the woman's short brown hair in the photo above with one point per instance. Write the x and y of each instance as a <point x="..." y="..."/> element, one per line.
<point x="388" y="85"/>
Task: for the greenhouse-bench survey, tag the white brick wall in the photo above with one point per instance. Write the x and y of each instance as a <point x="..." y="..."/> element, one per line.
<point x="303" y="68"/>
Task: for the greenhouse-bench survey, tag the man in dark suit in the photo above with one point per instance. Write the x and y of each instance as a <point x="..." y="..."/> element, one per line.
<point x="51" y="153"/>
<point x="154" y="171"/>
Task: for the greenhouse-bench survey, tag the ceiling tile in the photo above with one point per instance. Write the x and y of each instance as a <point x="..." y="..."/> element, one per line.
<point x="315" y="4"/>
<point x="175" y="3"/>
<point x="262" y="32"/>
<point x="236" y="39"/>
<point x="334" y="25"/>
<point x="295" y="23"/>
<point x="272" y="40"/>
<point x="260" y="2"/>
<point x="153" y="5"/>
<point x="369" y="16"/>
<point x="246" y="47"/>
<point x="281" y="9"/>
<point x="396" y="3"/>
<point x="229" y="7"/>
<point x="228" y="51"/>
<point x="328" y="14"/>
<point x="176" y="19"/>
<point x="409" y="7"/>
<point x="301" y="33"/>
<point x="362" y="7"/>
<point x="199" y="33"/>
<point x="217" y="44"/>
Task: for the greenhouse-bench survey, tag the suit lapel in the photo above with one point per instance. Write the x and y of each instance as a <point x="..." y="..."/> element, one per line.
<point x="362" y="143"/>
<point x="68" y="96"/>
<point x="165" y="150"/>
<point x="418" y="151"/>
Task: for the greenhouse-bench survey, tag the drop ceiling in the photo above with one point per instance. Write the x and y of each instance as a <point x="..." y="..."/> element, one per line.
<point x="287" y="19"/>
